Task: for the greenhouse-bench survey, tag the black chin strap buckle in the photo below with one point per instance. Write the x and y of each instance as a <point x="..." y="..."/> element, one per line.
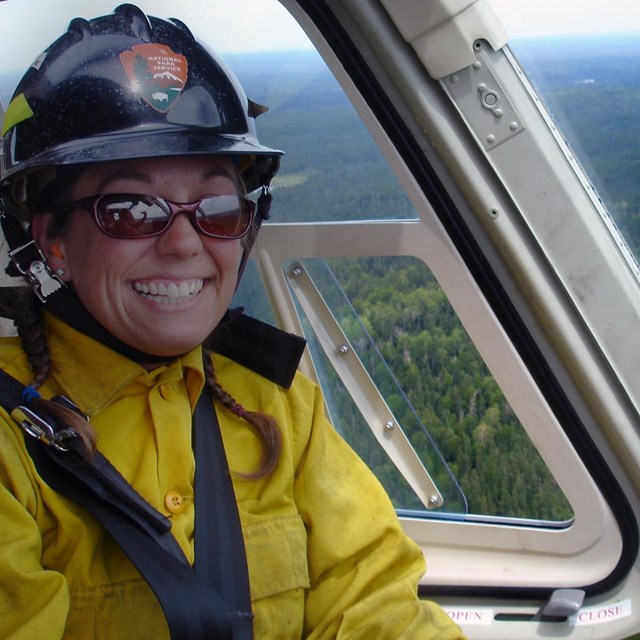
<point x="32" y="264"/>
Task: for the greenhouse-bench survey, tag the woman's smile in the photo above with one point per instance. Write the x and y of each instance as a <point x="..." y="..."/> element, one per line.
<point x="169" y="292"/>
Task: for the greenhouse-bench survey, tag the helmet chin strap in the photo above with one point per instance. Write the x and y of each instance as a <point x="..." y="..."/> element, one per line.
<point x="32" y="265"/>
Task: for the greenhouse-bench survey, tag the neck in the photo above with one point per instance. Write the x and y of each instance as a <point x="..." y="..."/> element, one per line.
<point x="67" y="306"/>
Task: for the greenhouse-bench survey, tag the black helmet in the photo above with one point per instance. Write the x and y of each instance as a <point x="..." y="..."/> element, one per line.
<point x="129" y="86"/>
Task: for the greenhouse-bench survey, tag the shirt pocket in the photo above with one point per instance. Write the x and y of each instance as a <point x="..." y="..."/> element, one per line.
<point x="279" y="576"/>
<point x="106" y="612"/>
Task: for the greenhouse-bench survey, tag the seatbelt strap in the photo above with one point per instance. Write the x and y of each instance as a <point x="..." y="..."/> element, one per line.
<point x="220" y="554"/>
<point x="192" y="606"/>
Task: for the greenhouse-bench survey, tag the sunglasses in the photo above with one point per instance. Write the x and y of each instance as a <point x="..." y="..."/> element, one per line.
<point x="132" y="215"/>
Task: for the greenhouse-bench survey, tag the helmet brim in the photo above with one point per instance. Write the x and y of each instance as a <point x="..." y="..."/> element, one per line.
<point x="258" y="164"/>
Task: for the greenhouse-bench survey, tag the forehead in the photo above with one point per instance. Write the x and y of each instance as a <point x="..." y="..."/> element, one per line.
<point x="188" y="170"/>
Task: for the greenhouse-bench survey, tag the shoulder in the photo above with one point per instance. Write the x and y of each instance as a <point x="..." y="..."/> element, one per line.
<point x="232" y="374"/>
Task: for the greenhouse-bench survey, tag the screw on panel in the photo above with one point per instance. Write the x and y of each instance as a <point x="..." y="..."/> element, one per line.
<point x="434" y="501"/>
<point x="390" y="425"/>
<point x="490" y="99"/>
<point x="296" y="272"/>
<point x="491" y="138"/>
<point x="344" y="348"/>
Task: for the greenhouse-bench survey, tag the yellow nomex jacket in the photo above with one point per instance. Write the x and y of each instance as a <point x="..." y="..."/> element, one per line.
<point x="326" y="555"/>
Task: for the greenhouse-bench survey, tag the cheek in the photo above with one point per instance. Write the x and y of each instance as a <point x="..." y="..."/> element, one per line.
<point x="94" y="258"/>
<point x="227" y="254"/>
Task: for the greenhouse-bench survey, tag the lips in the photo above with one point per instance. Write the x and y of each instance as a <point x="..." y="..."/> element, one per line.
<point x="169" y="292"/>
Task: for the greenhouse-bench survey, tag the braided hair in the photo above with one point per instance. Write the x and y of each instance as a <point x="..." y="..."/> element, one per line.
<point x="28" y="322"/>
<point x="264" y="425"/>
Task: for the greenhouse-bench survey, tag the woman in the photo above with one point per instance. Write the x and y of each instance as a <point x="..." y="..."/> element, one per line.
<point x="128" y="154"/>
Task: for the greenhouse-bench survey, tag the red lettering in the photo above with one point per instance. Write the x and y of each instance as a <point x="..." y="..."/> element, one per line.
<point x="601" y="614"/>
<point x="465" y="616"/>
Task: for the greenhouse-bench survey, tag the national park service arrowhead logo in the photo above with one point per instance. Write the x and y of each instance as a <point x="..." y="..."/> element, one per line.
<point x="156" y="73"/>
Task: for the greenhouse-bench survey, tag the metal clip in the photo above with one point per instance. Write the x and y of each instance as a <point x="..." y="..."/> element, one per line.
<point x="38" y="274"/>
<point x="40" y="429"/>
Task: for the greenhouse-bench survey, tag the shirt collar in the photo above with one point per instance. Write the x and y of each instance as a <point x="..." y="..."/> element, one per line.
<point x="92" y="375"/>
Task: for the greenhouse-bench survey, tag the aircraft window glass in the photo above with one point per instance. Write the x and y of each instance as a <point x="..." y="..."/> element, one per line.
<point x="397" y="318"/>
<point x="392" y="310"/>
<point x="588" y="76"/>
<point x="332" y="171"/>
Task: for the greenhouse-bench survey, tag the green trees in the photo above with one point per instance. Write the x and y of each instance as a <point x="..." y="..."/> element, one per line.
<point x="439" y="389"/>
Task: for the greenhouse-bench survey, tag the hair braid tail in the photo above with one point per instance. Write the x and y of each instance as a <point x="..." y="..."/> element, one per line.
<point x="264" y="425"/>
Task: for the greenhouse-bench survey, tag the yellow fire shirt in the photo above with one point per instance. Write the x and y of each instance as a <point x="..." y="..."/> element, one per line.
<point x="326" y="555"/>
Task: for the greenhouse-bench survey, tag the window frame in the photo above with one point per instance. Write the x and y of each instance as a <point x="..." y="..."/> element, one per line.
<point x="437" y="193"/>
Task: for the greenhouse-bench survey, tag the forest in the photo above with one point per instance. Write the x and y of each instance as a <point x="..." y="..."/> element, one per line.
<point x="392" y="309"/>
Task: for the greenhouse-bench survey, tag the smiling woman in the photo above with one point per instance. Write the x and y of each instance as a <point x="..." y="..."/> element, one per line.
<point x="162" y="460"/>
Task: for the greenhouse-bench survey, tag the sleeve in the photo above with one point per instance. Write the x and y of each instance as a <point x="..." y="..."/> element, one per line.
<point x="33" y="601"/>
<point x="363" y="568"/>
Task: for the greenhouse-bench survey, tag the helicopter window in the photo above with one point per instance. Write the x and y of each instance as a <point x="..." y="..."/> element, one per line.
<point x="375" y="288"/>
<point x="414" y="346"/>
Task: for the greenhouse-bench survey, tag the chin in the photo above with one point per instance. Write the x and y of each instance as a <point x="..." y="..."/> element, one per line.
<point x="171" y="349"/>
<point x="169" y="338"/>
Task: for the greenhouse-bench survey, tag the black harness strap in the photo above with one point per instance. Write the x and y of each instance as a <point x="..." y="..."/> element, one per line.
<point x="220" y="556"/>
<point x="190" y="599"/>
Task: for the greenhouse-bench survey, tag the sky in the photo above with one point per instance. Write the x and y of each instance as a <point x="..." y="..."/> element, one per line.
<point x="250" y="26"/>
<point x="539" y="18"/>
<point x="27" y="26"/>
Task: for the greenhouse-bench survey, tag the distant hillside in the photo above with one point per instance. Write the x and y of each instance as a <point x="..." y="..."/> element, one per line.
<point x="590" y="85"/>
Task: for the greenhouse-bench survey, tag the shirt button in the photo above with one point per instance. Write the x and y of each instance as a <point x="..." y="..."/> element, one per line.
<point x="174" y="502"/>
<point x="166" y="390"/>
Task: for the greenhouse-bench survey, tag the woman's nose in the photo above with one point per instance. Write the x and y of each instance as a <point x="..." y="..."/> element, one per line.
<point x="181" y="238"/>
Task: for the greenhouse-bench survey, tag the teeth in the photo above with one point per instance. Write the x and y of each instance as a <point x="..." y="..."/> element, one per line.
<point x="171" y="293"/>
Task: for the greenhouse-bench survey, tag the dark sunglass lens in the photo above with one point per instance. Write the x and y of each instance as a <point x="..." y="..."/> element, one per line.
<point x="224" y="216"/>
<point x="131" y="216"/>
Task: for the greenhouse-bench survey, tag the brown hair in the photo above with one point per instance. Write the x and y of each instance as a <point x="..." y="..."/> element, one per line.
<point x="263" y="424"/>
